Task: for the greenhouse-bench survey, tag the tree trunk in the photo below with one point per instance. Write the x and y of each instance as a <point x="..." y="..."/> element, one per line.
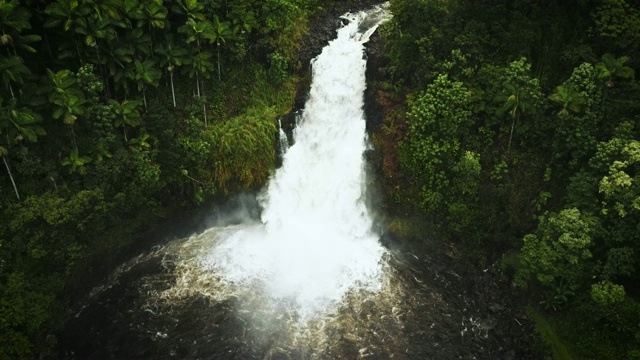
<point x="46" y="40"/>
<point x="198" y="83"/>
<point x="204" y="107"/>
<point x="73" y="137"/>
<point x="218" y="49"/>
<point x="78" y="50"/>
<point x="173" y="93"/>
<point x="105" y="79"/>
<point x="144" y="98"/>
<point x="13" y="182"/>
<point x="513" y="122"/>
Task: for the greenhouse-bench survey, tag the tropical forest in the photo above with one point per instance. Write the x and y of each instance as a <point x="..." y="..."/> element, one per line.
<point x="503" y="137"/>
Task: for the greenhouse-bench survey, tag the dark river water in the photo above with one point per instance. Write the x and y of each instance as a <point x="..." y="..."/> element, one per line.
<point x="162" y="305"/>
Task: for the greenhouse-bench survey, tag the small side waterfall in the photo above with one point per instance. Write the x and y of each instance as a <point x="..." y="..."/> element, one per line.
<point x="283" y="141"/>
<point x="317" y="243"/>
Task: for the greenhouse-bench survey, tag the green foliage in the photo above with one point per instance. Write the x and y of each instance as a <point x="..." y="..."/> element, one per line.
<point x="279" y="15"/>
<point x="152" y="14"/>
<point x="279" y="67"/>
<point x="569" y="98"/>
<point x="520" y="94"/>
<point x="446" y="174"/>
<point x="620" y="189"/>
<point x="573" y="157"/>
<point x="576" y="134"/>
<point x="244" y="150"/>
<point x="516" y="100"/>
<point x="14" y="20"/>
<point x="66" y="96"/>
<point x="559" y="250"/>
<point x="19" y="123"/>
<point x="604" y="330"/>
<point x="437" y="119"/>
<point x="618" y="22"/>
<point x="26" y="306"/>
<point x="146" y="73"/>
<point x="13" y="71"/>
<point x="558" y="295"/>
<point x="136" y="163"/>
<point x="606" y="293"/>
<point x="75" y="162"/>
<point x="418" y="35"/>
<point x="611" y="67"/>
<point x="126" y="113"/>
<point x="549" y="334"/>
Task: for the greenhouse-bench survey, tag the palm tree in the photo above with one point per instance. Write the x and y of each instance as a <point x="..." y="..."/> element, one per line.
<point x="146" y="74"/>
<point x="516" y="102"/>
<point x="67" y="99"/>
<point x="192" y="9"/>
<point x="117" y="57"/>
<point x="13" y="17"/>
<point x="122" y="75"/>
<point x="569" y="98"/>
<point x="102" y="151"/>
<point x="126" y="114"/>
<point x="71" y="15"/>
<point x="198" y="31"/>
<point x="17" y="124"/>
<point x="150" y="14"/>
<point x="140" y="43"/>
<point x="142" y="141"/>
<point x="12" y="70"/>
<point x="201" y="65"/>
<point x="76" y="162"/>
<point x="101" y="30"/>
<point x="221" y="32"/>
<point x="243" y="21"/>
<point x="611" y="67"/>
<point x="13" y="20"/>
<point x="171" y="56"/>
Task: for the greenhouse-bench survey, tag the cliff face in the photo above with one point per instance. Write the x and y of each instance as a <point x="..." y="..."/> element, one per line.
<point x="374" y="109"/>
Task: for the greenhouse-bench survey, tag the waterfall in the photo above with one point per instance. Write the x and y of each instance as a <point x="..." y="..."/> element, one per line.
<point x="282" y="138"/>
<point x="316" y="242"/>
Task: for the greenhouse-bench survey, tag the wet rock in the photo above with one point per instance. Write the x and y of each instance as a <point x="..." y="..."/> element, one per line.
<point x="323" y="28"/>
<point x="495" y="307"/>
<point x="488" y="323"/>
<point x="376" y="62"/>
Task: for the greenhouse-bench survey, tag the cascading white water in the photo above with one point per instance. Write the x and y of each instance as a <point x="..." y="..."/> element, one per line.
<point x="316" y="242"/>
<point x="282" y="138"/>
